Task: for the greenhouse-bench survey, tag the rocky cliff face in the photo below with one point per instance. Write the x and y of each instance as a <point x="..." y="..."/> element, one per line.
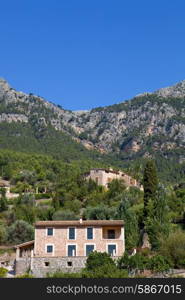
<point x="151" y="122"/>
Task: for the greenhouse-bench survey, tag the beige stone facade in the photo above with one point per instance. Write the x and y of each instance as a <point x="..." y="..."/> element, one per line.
<point x="65" y="245"/>
<point x="105" y="176"/>
<point x="103" y="235"/>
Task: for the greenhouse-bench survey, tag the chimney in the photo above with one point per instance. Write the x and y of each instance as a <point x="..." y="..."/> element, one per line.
<point x="81" y="220"/>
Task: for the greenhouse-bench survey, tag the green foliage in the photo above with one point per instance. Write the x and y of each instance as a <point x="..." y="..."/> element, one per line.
<point x="131" y="223"/>
<point x="101" y="265"/>
<point x="105" y="271"/>
<point x="26" y="213"/>
<point x="159" y="263"/>
<point x="64" y="215"/>
<point x="98" y="259"/>
<point x="26" y="275"/>
<point x="60" y="274"/>
<point x="150" y="183"/>
<point x="3" y="204"/>
<point x="141" y="262"/>
<point x="3" y="272"/>
<point x="3" y="234"/>
<point x="3" y="200"/>
<point x="157" y="223"/>
<point x="100" y="212"/>
<point x="173" y="248"/>
<point x="20" y="232"/>
<point x="137" y="262"/>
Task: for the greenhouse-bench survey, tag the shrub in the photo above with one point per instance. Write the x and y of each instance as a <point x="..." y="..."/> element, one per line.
<point x="60" y="274"/>
<point x="26" y="275"/>
<point x="3" y="272"/>
<point x="159" y="263"/>
<point x="3" y="234"/>
<point x="105" y="271"/>
<point x="20" y="232"/>
<point x="65" y="215"/>
<point x="98" y="259"/>
<point x="173" y="248"/>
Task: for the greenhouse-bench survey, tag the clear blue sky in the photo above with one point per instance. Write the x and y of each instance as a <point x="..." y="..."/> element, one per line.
<point x="88" y="53"/>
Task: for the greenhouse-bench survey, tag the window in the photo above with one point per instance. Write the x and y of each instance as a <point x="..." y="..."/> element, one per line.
<point x="47" y="263"/>
<point x="69" y="264"/>
<point x="71" y="250"/>
<point x="72" y="233"/>
<point x="49" y="231"/>
<point x="90" y="233"/>
<point x="112" y="249"/>
<point x="111" y="234"/>
<point x="49" y="248"/>
<point x="89" y="249"/>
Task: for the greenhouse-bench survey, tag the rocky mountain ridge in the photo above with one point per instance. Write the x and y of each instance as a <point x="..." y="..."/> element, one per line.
<point x="147" y="124"/>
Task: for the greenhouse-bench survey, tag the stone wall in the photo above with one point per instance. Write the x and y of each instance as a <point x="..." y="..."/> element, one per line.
<point x="22" y="265"/>
<point x="40" y="266"/>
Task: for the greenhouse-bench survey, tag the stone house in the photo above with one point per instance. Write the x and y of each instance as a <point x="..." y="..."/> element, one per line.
<point x="6" y="185"/>
<point x="105" y="176"/>
<point x="65" y="245"/>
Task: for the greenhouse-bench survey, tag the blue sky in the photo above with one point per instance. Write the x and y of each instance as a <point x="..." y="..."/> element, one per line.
<point x="88" y="53"/>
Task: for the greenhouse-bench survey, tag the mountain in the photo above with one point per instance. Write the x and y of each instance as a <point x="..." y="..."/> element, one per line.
<point x="149" y="125"/>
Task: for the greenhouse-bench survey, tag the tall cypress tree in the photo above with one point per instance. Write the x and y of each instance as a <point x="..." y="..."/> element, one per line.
<point x="150" y="183"/>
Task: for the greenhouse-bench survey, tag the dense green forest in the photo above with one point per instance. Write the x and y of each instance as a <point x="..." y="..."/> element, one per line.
<point x="53" y="189"/>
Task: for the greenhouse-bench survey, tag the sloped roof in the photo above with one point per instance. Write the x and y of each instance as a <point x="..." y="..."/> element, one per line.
<point x="82" y="223"/>
<point x="25" y="244"/>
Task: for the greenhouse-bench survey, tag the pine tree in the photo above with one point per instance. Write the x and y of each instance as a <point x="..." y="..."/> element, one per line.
<point x="150" y="183"/>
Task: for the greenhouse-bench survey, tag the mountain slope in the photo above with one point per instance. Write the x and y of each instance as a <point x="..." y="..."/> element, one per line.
<point x="149" y="125"/>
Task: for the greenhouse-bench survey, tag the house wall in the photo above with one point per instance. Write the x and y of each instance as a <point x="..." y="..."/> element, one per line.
<point x="60" y="241"/>
<point x="103" y="178"/>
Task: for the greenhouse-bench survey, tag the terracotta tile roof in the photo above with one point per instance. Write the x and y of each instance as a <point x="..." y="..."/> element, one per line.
<point x="78" y="223"/>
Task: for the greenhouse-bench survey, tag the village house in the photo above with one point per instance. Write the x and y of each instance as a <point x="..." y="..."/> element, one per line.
<point x="65" y="245"/>
<point x="105" y="176"/>
<point x="5" y="184"/>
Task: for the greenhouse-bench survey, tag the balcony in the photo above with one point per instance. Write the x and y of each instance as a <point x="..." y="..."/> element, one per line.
<point x="111" y="233"/>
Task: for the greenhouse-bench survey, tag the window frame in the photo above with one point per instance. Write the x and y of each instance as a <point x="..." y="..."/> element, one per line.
<point x="89" y="244"/>
<point x="112" y="244"/>
<point x="75" y="231"/>
<point x="67" y="245"/>
<point x="53" y="248"/>
<point x="47" y="231"/>
<point x="92" y="233"/>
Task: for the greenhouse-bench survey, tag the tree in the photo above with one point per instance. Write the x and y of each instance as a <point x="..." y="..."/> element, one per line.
<point x="101" y="265"/>
<point x="116" y="187"/>
<point x="20" y="232"/>
<point x="28" y="199"/>
<point x="150" y="183"/>
<point x="173" y="248"/>
<point x="3" y="200"/>
<point x="100" y="212"/>
<point x="159" y="263"/>
<point x="26" y="213"/>
<point x="131" y="223"/>
<point x="157" y="223"/>
<point x="97" y="259"/>
<point x="137" y="262"/>
<point x="65" y="215"/>
<point x="3" y="234"/>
